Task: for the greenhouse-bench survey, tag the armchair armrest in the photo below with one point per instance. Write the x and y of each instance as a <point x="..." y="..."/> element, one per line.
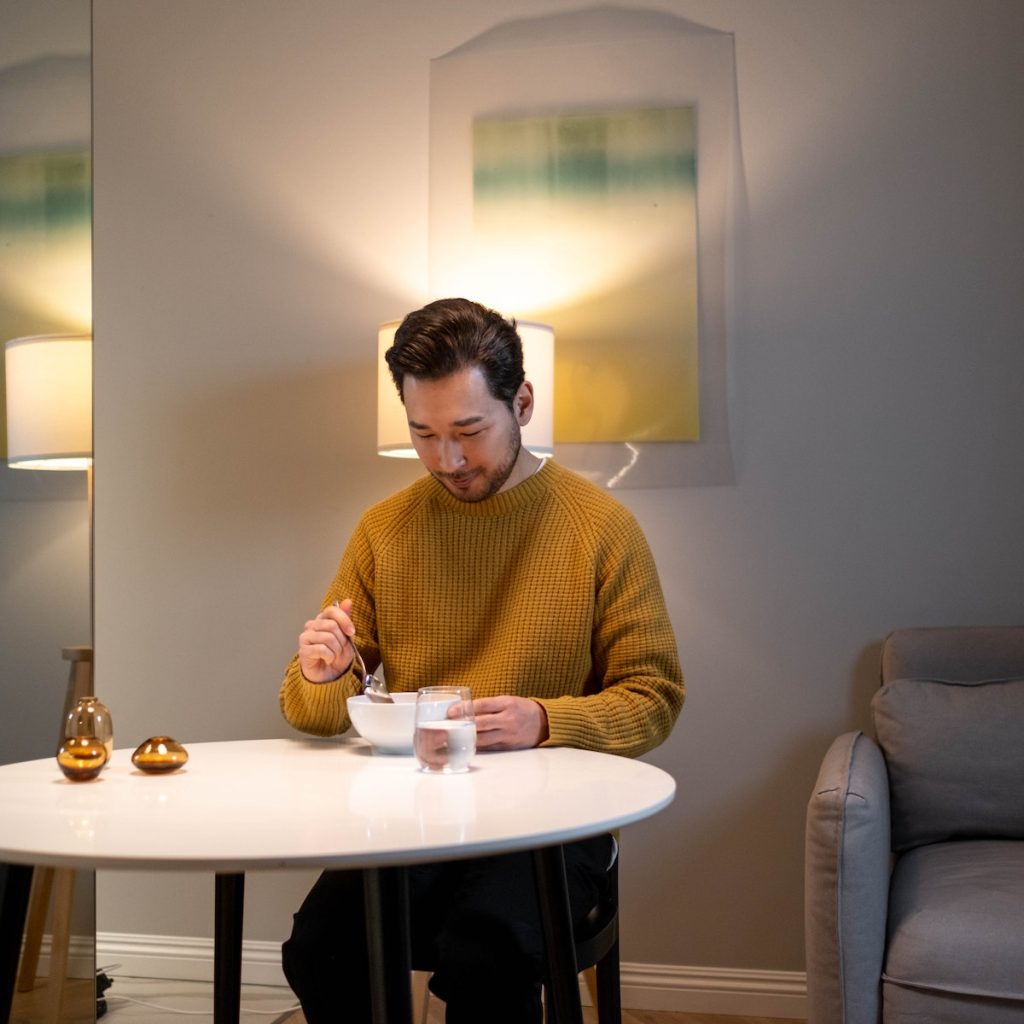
<point x="846" y="883"/>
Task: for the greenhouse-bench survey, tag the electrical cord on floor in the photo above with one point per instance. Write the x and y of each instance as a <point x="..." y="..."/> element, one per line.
<point x="104" y="981"/>
<point x="200" y="1013"/>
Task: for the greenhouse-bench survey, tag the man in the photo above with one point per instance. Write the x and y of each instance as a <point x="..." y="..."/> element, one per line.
<point x="511" y="576"/>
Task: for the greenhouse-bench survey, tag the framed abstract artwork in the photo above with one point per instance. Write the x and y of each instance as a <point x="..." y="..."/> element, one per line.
<point x="592" y="219"/>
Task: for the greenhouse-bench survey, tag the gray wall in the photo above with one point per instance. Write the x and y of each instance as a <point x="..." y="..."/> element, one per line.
<point x="261" y="204"/>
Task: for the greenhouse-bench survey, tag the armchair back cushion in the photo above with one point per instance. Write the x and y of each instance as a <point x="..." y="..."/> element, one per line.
<point x="956" y="654"/>
<point x="955" y="756"/>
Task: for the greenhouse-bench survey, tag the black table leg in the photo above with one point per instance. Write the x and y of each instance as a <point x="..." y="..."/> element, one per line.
<point x="16" y="881"/>
<point x="227" y="948"/>
<point x="386" y="892"/>
<point x="556" y="918"/>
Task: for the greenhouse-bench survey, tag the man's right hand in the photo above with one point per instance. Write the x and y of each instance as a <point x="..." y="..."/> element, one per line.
<point x="324" y="649"/>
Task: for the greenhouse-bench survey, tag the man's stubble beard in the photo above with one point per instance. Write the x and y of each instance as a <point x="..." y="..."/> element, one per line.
<point x="495" y="480"/>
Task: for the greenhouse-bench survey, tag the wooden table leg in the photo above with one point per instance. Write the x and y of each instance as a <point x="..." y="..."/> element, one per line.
<point x="16" y="882"/>
<point x="227" y="948"/>
<point x="556" y="919"/>
<point x="50" y="886"/>
<point x="60" y="940"/>
<point x="35" y="925"/>
<point x="386" y="895"/>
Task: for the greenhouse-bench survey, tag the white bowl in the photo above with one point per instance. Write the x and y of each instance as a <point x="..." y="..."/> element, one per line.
<point x="387" y="727"/>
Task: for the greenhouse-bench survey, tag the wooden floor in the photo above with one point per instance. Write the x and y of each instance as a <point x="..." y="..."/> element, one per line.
<point x="664" y="1017"/>
<point x="78" y="1006"/>
<point x="30" y="1008"/>
<point x="436" y="1016"/>
<point x="435" y="1013"/>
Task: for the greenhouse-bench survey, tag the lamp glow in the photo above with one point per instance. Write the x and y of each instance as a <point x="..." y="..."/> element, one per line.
<point x="49" y="402"/>
<point x="538" y="362"/>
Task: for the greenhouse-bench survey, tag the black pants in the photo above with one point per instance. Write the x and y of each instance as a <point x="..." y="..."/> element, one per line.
<point x="474" y="923"/>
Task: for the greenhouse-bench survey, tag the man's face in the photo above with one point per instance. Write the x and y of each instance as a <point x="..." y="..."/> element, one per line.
<point x="463" y="435"/>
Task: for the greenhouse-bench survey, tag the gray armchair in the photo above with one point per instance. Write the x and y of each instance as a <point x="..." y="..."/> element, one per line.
<point x="914" y="871"/>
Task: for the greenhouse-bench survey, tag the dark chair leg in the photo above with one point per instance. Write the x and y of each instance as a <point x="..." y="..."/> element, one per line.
<point x="386" y="891"/>
<point x="609" y="982"/>
<point x="556" y="918"/>
<point x="16" y="881"/>
<point x="609" y="990"/>
<point x="227" y="947"/>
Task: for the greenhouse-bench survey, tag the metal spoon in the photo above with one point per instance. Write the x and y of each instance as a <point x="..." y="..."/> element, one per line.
<point x="374" y="688"/>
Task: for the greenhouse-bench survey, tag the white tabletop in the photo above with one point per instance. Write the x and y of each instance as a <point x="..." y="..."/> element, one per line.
<point x="261" y="804"/>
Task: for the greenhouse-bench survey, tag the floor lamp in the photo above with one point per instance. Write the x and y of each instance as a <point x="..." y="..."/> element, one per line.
<point x="49" y="427"/>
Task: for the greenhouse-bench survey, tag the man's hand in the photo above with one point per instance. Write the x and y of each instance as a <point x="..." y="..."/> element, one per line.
<point x="509" y="723"/>
<point x="324" y="651"/>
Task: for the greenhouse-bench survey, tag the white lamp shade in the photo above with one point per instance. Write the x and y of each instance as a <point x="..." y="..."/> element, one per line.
<point x="538" y="362"/>
<point x="49" y="401"/>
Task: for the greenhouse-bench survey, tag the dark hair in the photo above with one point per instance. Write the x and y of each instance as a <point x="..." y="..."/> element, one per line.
<point x="451" y="335"/>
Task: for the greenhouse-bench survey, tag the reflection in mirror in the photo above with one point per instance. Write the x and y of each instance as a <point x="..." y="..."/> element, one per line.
<point x="45" y="288"/>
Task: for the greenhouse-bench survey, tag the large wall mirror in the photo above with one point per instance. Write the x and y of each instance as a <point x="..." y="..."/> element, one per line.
<point x="45" y="288"/>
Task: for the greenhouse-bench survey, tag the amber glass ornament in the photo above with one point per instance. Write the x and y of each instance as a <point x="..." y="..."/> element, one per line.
<point x="90" y="717"/>
<point x="159" y="754"/>
<point x="82" y="757"/>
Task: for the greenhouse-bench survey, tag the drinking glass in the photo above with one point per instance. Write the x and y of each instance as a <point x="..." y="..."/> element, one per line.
<point x="444" y="739"/>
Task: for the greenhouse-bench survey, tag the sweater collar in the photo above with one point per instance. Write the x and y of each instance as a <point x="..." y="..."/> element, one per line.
<point x="502" y="503"/>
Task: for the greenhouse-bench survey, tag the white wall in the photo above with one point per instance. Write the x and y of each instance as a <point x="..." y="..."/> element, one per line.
<point x="261" y="204"/>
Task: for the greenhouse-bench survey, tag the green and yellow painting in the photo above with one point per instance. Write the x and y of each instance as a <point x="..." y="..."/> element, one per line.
<point x="45" y="248"/>
<point x="588" y="221"/>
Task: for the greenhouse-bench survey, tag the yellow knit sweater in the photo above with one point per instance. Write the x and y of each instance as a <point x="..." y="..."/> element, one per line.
<point x="547" y="591"/>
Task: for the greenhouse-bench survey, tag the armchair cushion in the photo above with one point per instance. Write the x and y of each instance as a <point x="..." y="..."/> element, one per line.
<point x="955" y="916"/>
<point x="955" y="758"/>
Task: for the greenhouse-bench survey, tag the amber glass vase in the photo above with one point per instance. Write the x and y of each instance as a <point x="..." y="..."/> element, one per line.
<point x="91" y="717"/>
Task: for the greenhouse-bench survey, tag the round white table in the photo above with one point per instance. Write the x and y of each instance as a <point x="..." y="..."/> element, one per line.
<point x="289" y="803"/>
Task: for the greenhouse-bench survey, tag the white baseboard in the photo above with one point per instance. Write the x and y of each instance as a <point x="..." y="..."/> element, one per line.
<point x="644" y="986"/>
<point x="724" y="990"/>
<point x="80" y="949"/>
<point x="184" y="958"/>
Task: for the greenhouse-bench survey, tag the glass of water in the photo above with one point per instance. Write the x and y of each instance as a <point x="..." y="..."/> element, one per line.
<point x="445" y="732"/>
